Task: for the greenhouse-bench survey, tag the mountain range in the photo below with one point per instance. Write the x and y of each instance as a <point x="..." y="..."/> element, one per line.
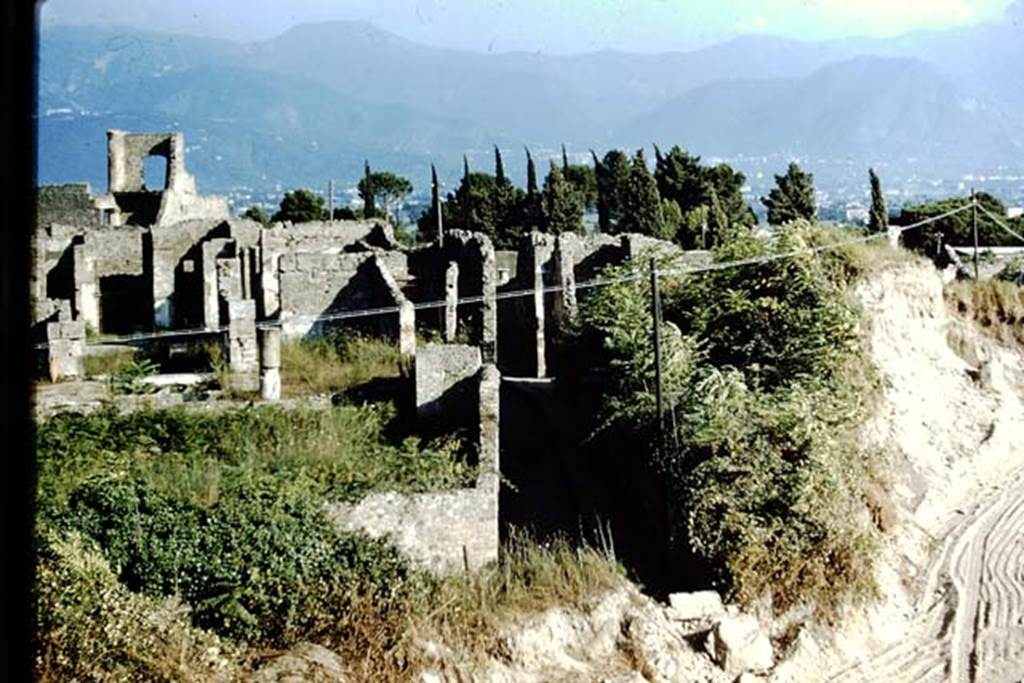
<point x="317" y="100"/>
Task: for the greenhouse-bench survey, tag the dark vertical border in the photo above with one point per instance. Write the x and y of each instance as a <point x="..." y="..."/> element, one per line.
<point x="17" y="149"/>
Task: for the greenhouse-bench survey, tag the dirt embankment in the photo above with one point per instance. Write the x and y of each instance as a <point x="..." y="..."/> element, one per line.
<point x="952" y="571"/>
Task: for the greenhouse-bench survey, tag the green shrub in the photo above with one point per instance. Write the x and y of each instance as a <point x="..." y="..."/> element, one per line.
<point x="256" y="566"/>
<point x="765" y="382"/>
<point x="91" y="627"/>
<point x="1013" y="271"/>
<point x="128" y="378"/>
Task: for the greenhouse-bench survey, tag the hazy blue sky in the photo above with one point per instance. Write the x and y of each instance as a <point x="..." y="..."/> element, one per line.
<point x="554" y="26"/>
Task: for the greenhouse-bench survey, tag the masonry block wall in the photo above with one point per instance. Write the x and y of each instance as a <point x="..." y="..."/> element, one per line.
<point x="320" y="284"/>
<point x="323" y="237"/>
<point x="70" y="204"/>
<point x="444" y="530"/>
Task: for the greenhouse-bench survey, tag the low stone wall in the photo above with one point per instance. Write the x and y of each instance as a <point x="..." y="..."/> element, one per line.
<point x="442" y="531"/>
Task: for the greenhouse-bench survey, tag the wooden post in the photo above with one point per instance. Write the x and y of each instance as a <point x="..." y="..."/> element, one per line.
<point x="974" y="223"/>
<point x="656" y="309"/>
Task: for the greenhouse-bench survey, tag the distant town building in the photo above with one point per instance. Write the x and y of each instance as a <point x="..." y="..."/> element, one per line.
<point x="857" y="214"/>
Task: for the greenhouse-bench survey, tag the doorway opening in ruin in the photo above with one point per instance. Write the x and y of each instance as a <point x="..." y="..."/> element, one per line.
<point x="155" y="169"/>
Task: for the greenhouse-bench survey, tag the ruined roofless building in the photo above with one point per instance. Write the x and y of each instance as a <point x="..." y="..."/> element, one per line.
<point x="138" y="204"/>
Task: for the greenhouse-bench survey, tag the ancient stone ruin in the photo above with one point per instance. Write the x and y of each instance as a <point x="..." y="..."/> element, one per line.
<point x="170" y="261"/>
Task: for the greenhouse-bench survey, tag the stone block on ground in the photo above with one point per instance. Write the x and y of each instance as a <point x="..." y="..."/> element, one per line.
<point x="738" y="644"/>
<point x="695" y="605"/>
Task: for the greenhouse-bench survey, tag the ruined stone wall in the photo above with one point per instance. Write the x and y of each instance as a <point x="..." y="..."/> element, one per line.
<point x="127" y="152"/>
<point x="100" y="270"/>
<point x="179" y="206"/>
<point x="314" y="284"/>
<point x="70" y="204"/>
<point x="177" y="264"/>
<point x="444" y="531"/>
<point x="314" y="237"/>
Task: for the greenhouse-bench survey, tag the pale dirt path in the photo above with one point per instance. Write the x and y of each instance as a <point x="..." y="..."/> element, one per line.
<point x="968" y="623"/>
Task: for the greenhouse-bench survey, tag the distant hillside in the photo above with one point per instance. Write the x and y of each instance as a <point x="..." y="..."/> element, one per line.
<point x="318" y="99"/>
<point x="865" y="108"/>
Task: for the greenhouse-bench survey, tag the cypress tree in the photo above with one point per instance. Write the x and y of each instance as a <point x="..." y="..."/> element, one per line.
<point x="641" y="203"/>
<point x="612" y="178"/>
<point x="499" y="167"/>
<point x="792" y="198"/>
<point x="565" y="159"/>
<point x="505" y="203"/>
<point x="602" y="198"/>
<point x="563" y="211"/>
<point x="879" y="219"/>
<point x="531" y="175"/>
<point x="435" y="187"/>
<point x="369" y="201"/>
<point x="719" y="227"/>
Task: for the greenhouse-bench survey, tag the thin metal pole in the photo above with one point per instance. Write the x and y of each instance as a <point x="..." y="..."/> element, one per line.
<point x="438" y="212"/>
<point x="330" y="200"/>
<point x="656" y="307"/>
<point x="974" y="222"/>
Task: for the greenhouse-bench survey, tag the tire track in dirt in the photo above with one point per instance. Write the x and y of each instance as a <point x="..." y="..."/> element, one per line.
<point x="968" y="624"/>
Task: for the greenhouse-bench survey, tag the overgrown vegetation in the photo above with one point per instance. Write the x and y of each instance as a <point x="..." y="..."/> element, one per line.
<point x="765" y="384"/>
<point x="108" y="363"/>
<point x="92" y="627"/>
<point x="996" y="306"/>
<point x="334" y="363"/>
<point x="177" y="519"/>
<point x="339" y="453"/>
<point x="138" y="582"/>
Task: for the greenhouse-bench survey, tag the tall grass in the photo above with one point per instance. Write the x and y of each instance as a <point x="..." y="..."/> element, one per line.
<point x="996" y="306"/>
<point x="468" y="612"/>
<point x="339" y="453"/>
<point x="332" y="364"/>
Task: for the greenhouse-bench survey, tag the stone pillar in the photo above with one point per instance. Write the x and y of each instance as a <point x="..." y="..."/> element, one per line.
<point x="894" y="234"/>
<point x="565" y="249"/>
<point x="489" y="308"/>
<point x="117" y="170"/>
<point x="211" y="302"/>
<point x="65" y="349"/>
<point x="406" y="329"/>
<point x="270" y="363"/>
<point x="229" y="278"/>
<point x="489" y="475"/>
<point x="177" y="178"/>
<point x="243" y="353"/>
<point x="86" y="302"/>
<point x="451" y="301"/>
<point x="538" y="317"/>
